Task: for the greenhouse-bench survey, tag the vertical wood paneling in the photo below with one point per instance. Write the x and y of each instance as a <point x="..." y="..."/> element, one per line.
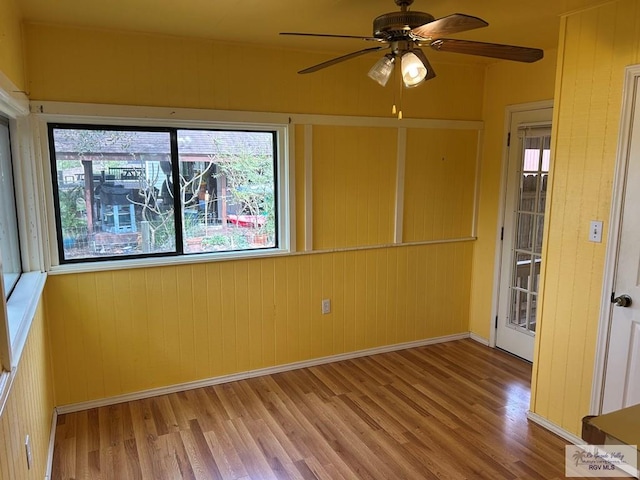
<point x="230" y="317"/>
<point x="29" y="409"/>
<point x="269" y="353"/>
<point x="353" y="186"/>
<point x="212" y="281"/>
<point x="11" y="48"/>
<point x="280" y="312"/>
<point x="439" y="184"/>
<point x="254" y="287"/>
<point x="596" y="46"/>
<point x="187" y="311"/>
<point x="230" y="347"/>
<point x="200" y="321"/>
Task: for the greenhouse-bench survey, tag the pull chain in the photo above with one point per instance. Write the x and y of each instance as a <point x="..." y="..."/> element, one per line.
<point x="395" y="78"/>
<point x="400" y="102"/>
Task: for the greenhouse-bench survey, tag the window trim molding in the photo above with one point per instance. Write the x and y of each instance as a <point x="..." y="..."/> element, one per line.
<point x="180" y="118"/>
<point x="17" y="313"/>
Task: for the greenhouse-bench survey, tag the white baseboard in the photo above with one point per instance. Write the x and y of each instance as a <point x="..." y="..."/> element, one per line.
<point x="552" y="427"/>
<point x="52" y="441"/>
<point x="154" y="392"/>
<point x="479" y="339"/>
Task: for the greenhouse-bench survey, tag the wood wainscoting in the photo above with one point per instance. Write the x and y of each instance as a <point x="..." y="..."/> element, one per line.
<point x="452" y="410"/>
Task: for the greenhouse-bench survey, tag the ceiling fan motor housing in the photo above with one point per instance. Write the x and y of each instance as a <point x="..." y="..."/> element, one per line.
<point x="396" y="25"/>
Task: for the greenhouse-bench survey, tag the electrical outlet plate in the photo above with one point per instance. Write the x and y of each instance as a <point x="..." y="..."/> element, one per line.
<point x="326" y="306"/>
<point x="595" y="231"/>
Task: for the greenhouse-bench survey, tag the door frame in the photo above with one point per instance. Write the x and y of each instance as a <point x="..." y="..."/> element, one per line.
<point x="497" y="264"/>
<point x="629" y="92"/>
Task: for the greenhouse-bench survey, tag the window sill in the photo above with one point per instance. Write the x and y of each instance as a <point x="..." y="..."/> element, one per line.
<point x="97" y="266"/>
<point x="21" y="309"/>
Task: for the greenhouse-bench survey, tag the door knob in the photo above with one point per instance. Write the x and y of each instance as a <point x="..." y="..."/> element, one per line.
<point x="622" y="301"/>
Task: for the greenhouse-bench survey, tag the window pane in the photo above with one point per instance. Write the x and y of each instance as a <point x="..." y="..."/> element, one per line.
<point x="9" y="246"/>
<point x="114" y="194"/>
<point x="227" y="182"/>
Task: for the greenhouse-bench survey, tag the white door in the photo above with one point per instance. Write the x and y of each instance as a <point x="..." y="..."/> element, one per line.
<point x="524" y="206"/>
<point x="622" y="371"/>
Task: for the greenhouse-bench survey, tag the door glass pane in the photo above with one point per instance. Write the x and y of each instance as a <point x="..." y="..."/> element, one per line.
<point x="525" y="233"/>
<point x="539" y="233"/>
<point x="543" y="193"/>
<point x="522" y="271"/>
<point x="529" y="191"/>
<point x="518" y="315"/>
<point x="531" y="203"/>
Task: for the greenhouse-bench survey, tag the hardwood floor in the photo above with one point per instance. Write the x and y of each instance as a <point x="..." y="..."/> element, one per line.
<point x="452" y="411"/>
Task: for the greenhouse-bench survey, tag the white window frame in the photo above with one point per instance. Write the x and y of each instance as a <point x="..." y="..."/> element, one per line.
<point x="17" y="313"/>
<point x="134" y="116"/>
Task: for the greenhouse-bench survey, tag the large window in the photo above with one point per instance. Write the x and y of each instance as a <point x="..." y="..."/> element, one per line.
<point x="9" y="245"/>
<point x="124" y="192"/>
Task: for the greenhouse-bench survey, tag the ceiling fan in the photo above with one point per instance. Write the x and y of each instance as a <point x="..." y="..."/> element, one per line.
<point x="405" y="31"/>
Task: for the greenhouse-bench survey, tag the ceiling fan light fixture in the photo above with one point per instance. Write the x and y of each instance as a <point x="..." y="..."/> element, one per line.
<point x="414" y="71"/>
<point x="382" y="70"/>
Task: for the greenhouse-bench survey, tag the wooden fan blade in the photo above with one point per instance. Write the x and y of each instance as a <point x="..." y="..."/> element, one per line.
<point x="494" y="50"/>
<point x="458" y="22"/>
<point x="329" y="35"/>
<point x="333" y="61"/>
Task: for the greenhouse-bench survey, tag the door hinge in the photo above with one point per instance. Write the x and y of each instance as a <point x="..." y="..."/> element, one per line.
<point x="509" y="139"/>
<point x="613" y="297"/>
<point x="502" y="233"/>
<point x="496" y="326"/>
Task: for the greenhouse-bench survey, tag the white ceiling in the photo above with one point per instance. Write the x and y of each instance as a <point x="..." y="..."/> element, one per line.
<point x="533" y="23"/>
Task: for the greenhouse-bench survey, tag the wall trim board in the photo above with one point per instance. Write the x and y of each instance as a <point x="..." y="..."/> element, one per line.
<point x="386" y="122"/>
<point x="552" y="427"/>
<point x="52" y="441"/>
<point x="479" y="339"/>
<point x="154" y="392"/>
<point x="476" y="187"/>
<point x="186" y="260"/>
<point x="88" y="112"/>
<point x="401" y="161"/>
<point x="308" y="188"/>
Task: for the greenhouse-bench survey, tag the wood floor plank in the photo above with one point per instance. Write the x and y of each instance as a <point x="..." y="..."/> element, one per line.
<point x="447" y="411"/>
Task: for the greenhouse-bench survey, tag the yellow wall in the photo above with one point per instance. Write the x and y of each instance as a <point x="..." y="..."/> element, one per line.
<point x="596" y="47"/>
<point x="29" y="408"/>
<point x="123" y="331"/>
<point x="78" y="65"/>
<point x="507" y="83"/>
<point x="11" y="63"/>
<point x="126" y="331"/>
<point x="354" y="186"/>
<point x="440" y="183"/>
